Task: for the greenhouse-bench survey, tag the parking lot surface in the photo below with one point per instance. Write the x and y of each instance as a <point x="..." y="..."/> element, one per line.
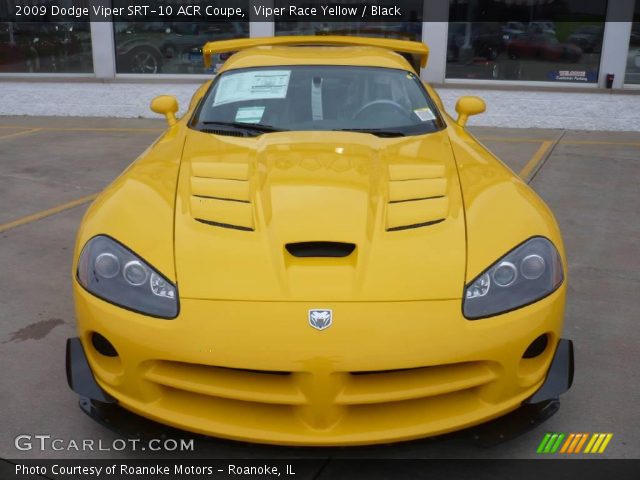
<point x="51" y="168"/>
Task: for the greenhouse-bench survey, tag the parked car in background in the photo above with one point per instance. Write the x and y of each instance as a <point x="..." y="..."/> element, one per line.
<point x="542" y="46"/>
<point x="588" y="38"/>
<point x="157" y="46"/>
<point x="470" y="40"/>
<point x="542" y="27"/>
<point x="512" y="29"/>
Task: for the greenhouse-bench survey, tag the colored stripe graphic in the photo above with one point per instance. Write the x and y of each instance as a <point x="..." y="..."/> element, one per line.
<point x="591" y="442"/>
<point x="581" y="443"/>
<point x="550" y="443"/>
<point x="573" y="443"/>
<point x="598" y="443"/>
<point x="543" y="443"/>
<point x="555" y="447"/>
<point x="568" y="442"/>
<point x="607" y="439"/>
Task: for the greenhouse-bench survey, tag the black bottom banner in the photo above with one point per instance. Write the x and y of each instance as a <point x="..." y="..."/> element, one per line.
<point x="301" y="469"/>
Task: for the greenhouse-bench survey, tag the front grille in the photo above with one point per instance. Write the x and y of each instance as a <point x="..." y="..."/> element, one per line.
<point x="347" y="391"/>
<point x="231" y="383"/>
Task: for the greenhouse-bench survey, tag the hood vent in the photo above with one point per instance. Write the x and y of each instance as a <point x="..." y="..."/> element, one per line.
<point x="417" y="196"/>
<point x="320" y="249"/>
<point x="226" y="133"/>
<point x="221" y="195"/>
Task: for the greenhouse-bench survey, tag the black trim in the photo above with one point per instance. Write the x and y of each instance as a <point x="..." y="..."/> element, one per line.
<point x="559" y="376"/>
<point x="224" y="225"/>
<point x="415" y="225"/>
<point x="415" y="199"/>
<point x="320" y="249"/>
<point x="124" y="307"/>
<point x="222" y="198"/>
<point x="79" y="375"/>
<point x="464" y="289"/>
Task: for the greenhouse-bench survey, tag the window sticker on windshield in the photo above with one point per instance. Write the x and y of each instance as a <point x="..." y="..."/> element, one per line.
<point x="424" y="114"/>
<point x="249" y="114"/>
<point x="256" y="85"/>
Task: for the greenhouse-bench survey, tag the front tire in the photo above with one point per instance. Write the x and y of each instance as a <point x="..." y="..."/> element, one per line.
<point x="143" y="60"/>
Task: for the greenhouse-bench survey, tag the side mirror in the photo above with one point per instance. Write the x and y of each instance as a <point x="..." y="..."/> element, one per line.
<point x="166" y="105"/>
<point x="467" y="106"/>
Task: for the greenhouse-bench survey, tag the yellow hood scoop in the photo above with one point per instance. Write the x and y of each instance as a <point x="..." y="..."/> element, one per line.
<point x="417" y="196"/>
<point x="221" y="195"/>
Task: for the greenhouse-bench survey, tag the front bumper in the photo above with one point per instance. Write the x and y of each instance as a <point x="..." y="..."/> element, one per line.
<point x="534" y="411"/>
<point x="383" y="372"/>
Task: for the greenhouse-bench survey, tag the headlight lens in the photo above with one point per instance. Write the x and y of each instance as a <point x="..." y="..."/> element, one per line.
<point x="528" y="273"/>
<point x="110" y="271"/>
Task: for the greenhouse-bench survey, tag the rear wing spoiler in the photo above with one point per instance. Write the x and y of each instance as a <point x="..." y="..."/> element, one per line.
<point x="418" y="49"/>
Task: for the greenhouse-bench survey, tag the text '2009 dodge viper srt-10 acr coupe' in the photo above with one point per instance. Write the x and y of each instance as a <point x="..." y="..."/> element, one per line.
<point x="317" y="254"/>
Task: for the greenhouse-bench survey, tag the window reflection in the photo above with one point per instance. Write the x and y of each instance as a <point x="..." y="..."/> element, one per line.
<point x="399" y="30"/>
<point x="169" y="47"/>
<point x="55" y="47"/>
<point x="533" y="41"/>
<point x="633" y="56"/>
<point x="409" y="27"/>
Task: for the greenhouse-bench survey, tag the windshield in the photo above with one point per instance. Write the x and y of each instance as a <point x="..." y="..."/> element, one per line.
<point x="381" y="101"/>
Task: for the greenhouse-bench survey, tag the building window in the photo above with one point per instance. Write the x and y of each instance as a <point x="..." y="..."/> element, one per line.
<point x="633" y="57"/>
<point x="45" y="47"/>
<point x="535" y="40"/>
<point x="173" y="47"/>
<point x="169" y="47"/>
<point x="409" y="27"/>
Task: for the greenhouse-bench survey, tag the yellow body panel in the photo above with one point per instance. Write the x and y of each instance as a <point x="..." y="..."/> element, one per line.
<point x="240" y="360"/>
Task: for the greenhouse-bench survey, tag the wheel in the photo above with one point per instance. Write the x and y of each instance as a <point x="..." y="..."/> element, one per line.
<point x="143" y="60"/>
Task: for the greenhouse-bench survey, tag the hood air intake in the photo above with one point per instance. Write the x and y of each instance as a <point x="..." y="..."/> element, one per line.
<point x="320" y="249"/>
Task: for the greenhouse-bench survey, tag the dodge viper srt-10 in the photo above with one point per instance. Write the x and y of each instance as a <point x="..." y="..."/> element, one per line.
<point x="316" y="253"/>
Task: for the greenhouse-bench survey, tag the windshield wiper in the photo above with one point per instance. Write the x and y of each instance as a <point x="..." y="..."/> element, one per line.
<point x="379" y="132"/>
<point x="256" y="127"/>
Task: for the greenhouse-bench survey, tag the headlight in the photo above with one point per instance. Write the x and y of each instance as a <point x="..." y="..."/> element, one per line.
<point x="110" y="271"/>
<point x="528" y="273"/>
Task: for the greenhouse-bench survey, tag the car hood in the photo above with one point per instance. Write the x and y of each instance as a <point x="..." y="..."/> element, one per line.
<point x="247" y="208"/>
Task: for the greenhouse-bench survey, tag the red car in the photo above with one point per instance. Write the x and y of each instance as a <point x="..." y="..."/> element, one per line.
<point x="543" y="46"/>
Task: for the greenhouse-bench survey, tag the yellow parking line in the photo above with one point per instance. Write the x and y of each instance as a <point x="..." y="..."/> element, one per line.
<point x="88" y="129"/>
<point x="17" y="134"/>
<point x="599" y="142"/>
<point x="564" y="142"/>
<point x="514" y="139"/>
<point x="535" y="160"/>
<point x="47" y="213"/>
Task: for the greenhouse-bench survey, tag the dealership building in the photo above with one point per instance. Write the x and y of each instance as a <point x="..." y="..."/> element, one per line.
<point x="529" y="43"/>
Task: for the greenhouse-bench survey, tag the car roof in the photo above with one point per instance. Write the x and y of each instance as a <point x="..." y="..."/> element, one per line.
<point x="316" y="55"/>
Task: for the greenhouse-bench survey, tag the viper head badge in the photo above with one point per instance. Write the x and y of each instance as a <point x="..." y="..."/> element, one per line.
<point x="320" y="319"/>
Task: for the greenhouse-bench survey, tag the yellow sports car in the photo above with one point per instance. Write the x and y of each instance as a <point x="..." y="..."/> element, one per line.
<point x="316" y="253"/>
